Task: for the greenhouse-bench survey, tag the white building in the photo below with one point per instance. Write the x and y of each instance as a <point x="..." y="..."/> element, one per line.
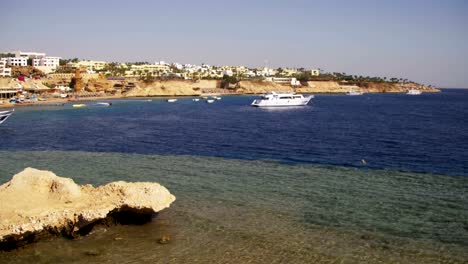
<point x="14" y="61"/>
<point x="291" y="81"/>
<point x="52" y="62"/>
<point x="265" y="72"/>
<point x="315" y="72"/>
<point x="39" y="59"/>
<point x="88" y="64"/>
<point x="27" y="54"/>
<point x="4" y="71"/>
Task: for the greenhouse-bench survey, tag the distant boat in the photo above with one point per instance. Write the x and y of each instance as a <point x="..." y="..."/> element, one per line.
<point x="78" y="105"/>
<point x="210" y="101"/>
<point x="282" y="99"/>
<point x="195" y="99"/>
<point x="414" y="92"/>
<point x="5" y="114"/>
<point x="354" y="92"/>
<point x="104" y="103"/>
<point x="217" y="97"/>
<point x="172" y="100"/>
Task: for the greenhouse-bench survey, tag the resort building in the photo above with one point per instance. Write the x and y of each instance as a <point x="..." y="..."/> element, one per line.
<point x="14" y="61"/>
<point x="30" y="55"/>
<point x="265" y="72"/>
<point x="89" y="65"/>
<point x="4" y="71"/>
<point x="52" y="62"/>
<point x="144" y="69"/>
<point x="290" y="81"/>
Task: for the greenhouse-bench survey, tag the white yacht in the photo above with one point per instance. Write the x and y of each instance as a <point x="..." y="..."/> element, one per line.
<point x="354" y="92"/>
<point x="104" y="103"/>
<point x="5" y="114"/>
<point x="414" y="92"/>
<point x="282" y="99"/>
<point x="172" y="100"/>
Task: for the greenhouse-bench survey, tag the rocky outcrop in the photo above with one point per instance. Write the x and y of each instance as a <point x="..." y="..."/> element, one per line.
<point x="37" y="202"/>
<point x="172" y="88"/>
<point x="321" y="87"/>
<point x="99" y="85"/>
<point x="259" y="87"/>
<point x="366" y="87"/>
<point x="26" y="71"/>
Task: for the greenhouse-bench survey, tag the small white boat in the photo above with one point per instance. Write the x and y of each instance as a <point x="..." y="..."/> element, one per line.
<point x="282" y="99"/>
<point x="195" y="99"/>
<point x="78" y="105"/>
<point x="354" y="92"/>
<point x="217" y="97"/>
<point x="171" y="100"/>
<point x="414" y="92"/>
<point x="104" y="103"/>
<point x="210" y="101"/>
<point x="4" y="115"/>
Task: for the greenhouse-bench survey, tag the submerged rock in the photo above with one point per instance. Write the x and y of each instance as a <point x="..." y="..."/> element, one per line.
<point x="36" y="203"/>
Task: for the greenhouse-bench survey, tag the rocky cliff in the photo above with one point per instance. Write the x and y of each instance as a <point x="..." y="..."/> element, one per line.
<point x="135" y="88"/>
<point x="366" y="87"/>
<point x="172" y="87"/>
<point x="36" y="202"/>
<point x="259" y="87"/>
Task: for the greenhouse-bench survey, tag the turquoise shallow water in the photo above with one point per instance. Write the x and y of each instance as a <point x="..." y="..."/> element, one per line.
<point x="239" y="211"/>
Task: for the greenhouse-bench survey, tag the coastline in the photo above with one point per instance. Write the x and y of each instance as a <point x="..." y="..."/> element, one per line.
<point x="56" y="101"/>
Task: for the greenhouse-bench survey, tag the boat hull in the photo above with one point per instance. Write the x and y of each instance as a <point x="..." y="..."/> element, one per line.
<point x="281" y="103"/>
<point x="4" y="115"/>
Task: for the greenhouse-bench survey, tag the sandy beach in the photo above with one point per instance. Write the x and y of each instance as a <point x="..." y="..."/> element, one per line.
<point x="55" y="101"/>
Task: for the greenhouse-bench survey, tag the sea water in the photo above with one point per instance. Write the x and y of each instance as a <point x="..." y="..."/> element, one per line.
<point x="256" y="185"/>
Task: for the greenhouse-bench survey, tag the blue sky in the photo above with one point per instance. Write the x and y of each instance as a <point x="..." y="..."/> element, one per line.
<point x="425" y="41"/>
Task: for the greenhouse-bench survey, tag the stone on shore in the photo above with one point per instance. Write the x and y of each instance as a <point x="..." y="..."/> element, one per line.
<point x="37" y="202"/>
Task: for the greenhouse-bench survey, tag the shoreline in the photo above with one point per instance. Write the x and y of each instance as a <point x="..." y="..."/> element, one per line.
<point x="56" y="101"/>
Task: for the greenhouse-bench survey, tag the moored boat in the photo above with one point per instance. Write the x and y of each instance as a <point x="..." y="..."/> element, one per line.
<point x="104" y="103"/>
<point x="414" y="92"/>
<point x="172" y="100"/>
<point x="78" y="105"/>
<point x="354" y="92"/>
<point x="195" y="99"/>
<point x="4" y="115"/>
<point x="210" y="101"/>
<point x="281" y="99"/>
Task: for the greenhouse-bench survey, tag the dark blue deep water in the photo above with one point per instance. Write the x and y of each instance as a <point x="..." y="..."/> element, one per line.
<point x="426" y="133"/>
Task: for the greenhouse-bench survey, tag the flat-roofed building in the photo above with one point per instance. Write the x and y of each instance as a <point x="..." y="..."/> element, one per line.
<point x="52" y="62"/>
<point x="14" y="61"/>
<point x="29" y="54"/>
<point x="89" y="65"/>
<point x="4" y="70"/>
<point x="143" y="69"/>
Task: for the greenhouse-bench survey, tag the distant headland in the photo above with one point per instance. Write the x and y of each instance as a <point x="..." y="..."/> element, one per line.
<point x="35" y="75"/>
